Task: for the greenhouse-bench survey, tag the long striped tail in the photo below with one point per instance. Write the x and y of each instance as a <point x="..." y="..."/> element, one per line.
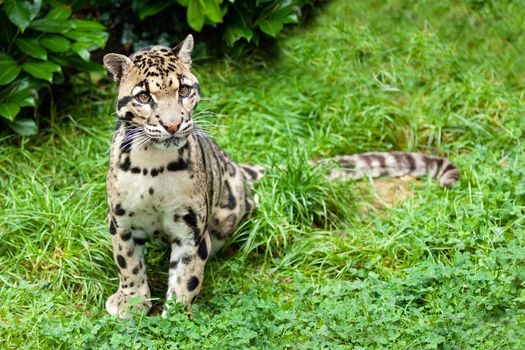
<point x="393" y="164"/>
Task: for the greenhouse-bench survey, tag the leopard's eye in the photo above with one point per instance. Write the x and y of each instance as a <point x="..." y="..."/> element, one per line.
<point x="143" y="97"/>
<point x="184" y="91"/>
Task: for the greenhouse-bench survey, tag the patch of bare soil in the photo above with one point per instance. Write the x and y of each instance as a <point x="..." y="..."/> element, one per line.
<point x="386" y="192"/>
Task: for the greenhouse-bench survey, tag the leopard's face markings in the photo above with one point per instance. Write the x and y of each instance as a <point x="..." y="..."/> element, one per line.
<point x="157" y="93"/>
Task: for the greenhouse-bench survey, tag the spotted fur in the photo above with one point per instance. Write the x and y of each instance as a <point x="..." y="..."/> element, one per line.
<point x="168" y="180"/>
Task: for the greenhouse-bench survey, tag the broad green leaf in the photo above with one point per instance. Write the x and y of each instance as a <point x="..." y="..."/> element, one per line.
<point x="24" y="127"/>
<point x="8" y="69"/>
<point x="195" y="15"/>
<point x="97" y="39"/>
<point x="183" y="2"/>
<point x="42" y="70"/>
<point x="82" y="49"/>
<point x="151" y="10"/>
<point x="9" y="110"/>
<point x="31" y="47"/>
<point x="22" y="93"/>
<point x="241" y="26"/>
<point x="60" y="12"/>
<point x="212" y="10"/>
<point x="84" y="25"/>
<point x="52" y="25"/>
<point x="235" y="33"/>
<point x="56" y="43"/>
<point x="60" y="60"/>
<point x="286" y="14"/>
<point x="20" y="89"/>
<point x="24" y="98"/>
<point x="271" y="27"/>
<point x="22" y="12"/>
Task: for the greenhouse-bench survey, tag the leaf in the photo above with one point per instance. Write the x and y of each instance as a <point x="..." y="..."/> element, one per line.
<point x="87" y="26"/>
<point x="151" y="10"/>
<point x="8" y="69"/>
<point x="212" y="10"/>
<point x="286" y="14"/>
<point x="9" y="110"/>
<point x="42" y="70"/>
<point x="235" y="33"/>
<point x="19" y="94"/>
<point x="195" y="15"/>
<point x="52" y="25"/>
<point x="62" y="61"/>
<point x="98" y="39"/>
<point x="24" y="127"/>
<point x="21" y="13"/>
<point x="56" y="43"/>
<point x="21" y="89"/>
<point x="24" y="98"/>
<point x="271" y="27"/>
<point x="241" y="26"/>
<point x="82" y="49"/>
<point x="59" y="12"/>
<point x="31" y="47"/>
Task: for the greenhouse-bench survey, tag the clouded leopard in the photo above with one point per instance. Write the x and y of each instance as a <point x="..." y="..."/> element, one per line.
<point x="168" y="180"/>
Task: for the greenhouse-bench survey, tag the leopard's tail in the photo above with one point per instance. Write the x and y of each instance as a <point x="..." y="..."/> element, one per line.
<point x="393" y="164"/>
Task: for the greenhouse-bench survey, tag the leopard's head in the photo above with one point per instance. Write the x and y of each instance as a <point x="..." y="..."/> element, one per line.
<point x="157" y="92"/>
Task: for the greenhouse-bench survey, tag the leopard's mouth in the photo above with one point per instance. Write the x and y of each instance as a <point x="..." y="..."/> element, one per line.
<point x="165" y="140"/>
<point x="171" y="142"/>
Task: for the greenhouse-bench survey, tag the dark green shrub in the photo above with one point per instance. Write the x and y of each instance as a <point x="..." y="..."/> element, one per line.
<point x="245" y="19"/>
<point x="233" y="19"/>
<point x="248" y="19"/>
<point x="38" y="40"/>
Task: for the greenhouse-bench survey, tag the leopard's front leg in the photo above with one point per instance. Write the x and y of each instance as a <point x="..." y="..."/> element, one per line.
<point x="190" y="249"/>
<point x="128" y="252"/>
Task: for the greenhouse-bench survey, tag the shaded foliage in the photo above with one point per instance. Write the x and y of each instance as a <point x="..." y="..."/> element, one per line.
<point x="44" y="41"/>
<point x="39" y="39"/>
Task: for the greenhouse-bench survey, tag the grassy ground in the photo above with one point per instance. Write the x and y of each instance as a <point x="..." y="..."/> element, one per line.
<point x="320" y="265"/>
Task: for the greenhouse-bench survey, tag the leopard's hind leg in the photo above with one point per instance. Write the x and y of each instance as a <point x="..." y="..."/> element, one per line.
<point x="235" y="203"/>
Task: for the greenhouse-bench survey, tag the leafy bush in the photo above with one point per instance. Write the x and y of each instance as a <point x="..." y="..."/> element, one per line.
<point x="233" y="20"/>
<point x="243" y="19"/>
<point x="39" y="39"/>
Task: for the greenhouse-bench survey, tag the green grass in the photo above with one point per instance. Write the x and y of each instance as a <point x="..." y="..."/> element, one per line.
<point x="320" y="265"/>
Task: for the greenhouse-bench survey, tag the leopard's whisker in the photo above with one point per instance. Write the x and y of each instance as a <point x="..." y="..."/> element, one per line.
<point x="206" y="123"/>
<point x="208" y="132"/>
<point x="207" y="111"/>
<point x="143" y="141"/>
<point x="208" y="114"/>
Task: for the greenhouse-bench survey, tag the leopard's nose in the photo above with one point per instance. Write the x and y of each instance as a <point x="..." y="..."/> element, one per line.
<point x="171" y="127"/>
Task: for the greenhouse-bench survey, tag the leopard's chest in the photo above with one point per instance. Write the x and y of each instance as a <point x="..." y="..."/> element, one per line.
<point x="151" y="203"/>
<point x="154" y="188"/>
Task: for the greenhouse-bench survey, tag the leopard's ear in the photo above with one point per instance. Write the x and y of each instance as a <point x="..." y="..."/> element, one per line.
<point x="184" y="49"/>
<point x="117" y="65"/>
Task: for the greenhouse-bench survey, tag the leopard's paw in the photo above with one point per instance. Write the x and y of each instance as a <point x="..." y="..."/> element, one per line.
<point x="124" y="306"/>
